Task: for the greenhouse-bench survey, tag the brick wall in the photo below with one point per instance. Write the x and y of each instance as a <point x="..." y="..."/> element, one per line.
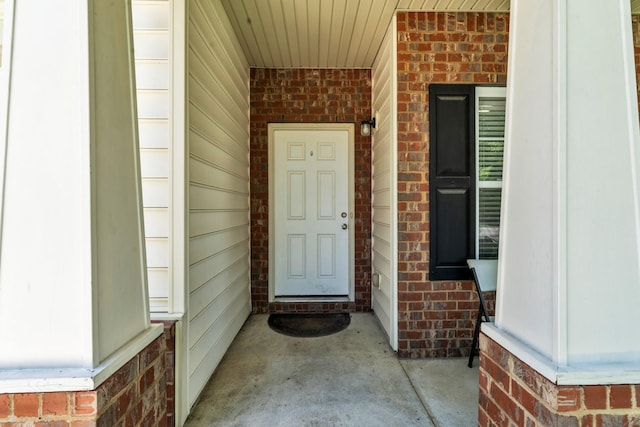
<point x="512" y="393"/>
<point x="310" y="96"/>
<point x="133" y="396"/>
<point x="635" y="28"/>
<point x="169" y="336"/>
<point x="435" y="318"/>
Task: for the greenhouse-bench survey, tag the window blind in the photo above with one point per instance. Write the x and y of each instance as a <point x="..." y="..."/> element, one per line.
<point x="490" y="148"/>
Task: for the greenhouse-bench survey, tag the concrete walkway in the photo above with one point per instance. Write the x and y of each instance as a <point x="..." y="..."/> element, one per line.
<point x="351" y="378"/>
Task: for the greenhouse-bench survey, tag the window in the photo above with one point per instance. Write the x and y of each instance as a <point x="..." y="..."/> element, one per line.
<point x="466" y="141"/>
<point x="490" y="117"/>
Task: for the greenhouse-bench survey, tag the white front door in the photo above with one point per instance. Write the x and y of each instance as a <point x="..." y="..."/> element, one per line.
<point x="311" y="215"/>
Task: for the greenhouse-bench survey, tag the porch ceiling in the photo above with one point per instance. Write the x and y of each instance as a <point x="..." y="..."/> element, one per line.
<point x="329" y="33"/>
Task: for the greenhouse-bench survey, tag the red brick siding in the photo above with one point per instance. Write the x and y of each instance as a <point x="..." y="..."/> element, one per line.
<point x="170" y="363"/>
<point x="308" y="96"/>
<point x="133" y="396"/>
<point x="635" y="27"/>
<point x="435" y="318"/>
<point x="513" y="393"/>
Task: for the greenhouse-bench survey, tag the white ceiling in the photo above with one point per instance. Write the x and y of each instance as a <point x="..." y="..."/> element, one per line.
<point x="328" y="33"/>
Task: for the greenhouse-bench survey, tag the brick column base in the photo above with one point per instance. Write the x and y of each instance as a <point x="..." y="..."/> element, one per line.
<point x="134" y="396"/>
<point x="513" y="393"/>
<point x="170" y="367"/>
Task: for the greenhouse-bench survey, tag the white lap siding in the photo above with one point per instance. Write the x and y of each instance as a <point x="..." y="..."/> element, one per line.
<point x="218" y="190"/>
<point x="383" y="189"/>
<point x="152" y="40"/>
<point x="1" y="27"/>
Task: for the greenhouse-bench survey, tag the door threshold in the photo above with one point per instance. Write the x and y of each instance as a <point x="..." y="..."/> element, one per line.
<point x="311" y="298"/>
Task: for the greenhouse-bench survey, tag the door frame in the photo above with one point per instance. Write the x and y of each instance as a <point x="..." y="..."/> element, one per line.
<point x="349" y="128"/>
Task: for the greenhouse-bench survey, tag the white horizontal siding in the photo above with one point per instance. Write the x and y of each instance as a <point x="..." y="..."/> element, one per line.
<point x="215" y="143"/>
<point x="152" y="45"/>
<point x="159" y="293"/>
<point x="205" y="355"/>
<point x="151" y="15"/>
<point x="152" y="75"/>
<point x="152" y="38"/>
<point x="153" y="104"/>
<point x="154" y="133"/>
<point x="154" y="162"/>
<point x="383" y="205"/>
<point x="214" y="200"/>
<point x="218" y="190"/>
<point x="156" y="192"/>
<point x="157" y="252"/>
<point x="201" y="247"/>
<point x="213" y="265"/>
<point x="205" y="222"/>
<point x="203" y="172"/>
<point x="161" y="277"/>
<point x="1" y="27"/>
<point x="225" y="269"/>
<point x="157" y="222"/>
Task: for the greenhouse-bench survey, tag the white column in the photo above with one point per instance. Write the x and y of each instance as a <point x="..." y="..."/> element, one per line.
<point x="569" y="269"/>
<point x="73" y="291"/>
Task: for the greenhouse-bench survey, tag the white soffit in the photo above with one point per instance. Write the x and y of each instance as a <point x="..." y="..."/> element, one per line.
<point x="329" y="33"/>
<point x="310" y="34"/>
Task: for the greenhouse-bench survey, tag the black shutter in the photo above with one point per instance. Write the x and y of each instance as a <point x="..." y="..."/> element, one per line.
<point x="451" y="180"/>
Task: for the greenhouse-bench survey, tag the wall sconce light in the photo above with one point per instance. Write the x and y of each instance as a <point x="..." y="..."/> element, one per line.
<point x="366" y="126"/>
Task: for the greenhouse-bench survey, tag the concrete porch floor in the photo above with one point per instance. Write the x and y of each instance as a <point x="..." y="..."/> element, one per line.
<point x="351" y="378"/>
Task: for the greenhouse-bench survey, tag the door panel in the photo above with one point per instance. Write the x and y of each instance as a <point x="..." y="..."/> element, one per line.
<point x="311" y="204"/>
<point x="297" y="199"/>
<point x="296" y="256"/>
<point x="326" y="195"/>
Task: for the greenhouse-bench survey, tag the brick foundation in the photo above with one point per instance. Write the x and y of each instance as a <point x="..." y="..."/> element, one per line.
<point x="289" y="307"/>
<point x="310" y="96"/>
<point x="435" y="319"/>
<point x="635" y="28"/>
<point x="514" y="394"/>
<point x="133" y="396"/>
<point x="169" y="336"/>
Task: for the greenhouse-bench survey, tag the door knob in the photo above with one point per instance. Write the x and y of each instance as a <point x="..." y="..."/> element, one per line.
<point x="345" y="226"/>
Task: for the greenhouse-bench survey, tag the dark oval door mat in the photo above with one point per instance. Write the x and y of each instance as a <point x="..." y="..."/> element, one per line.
<point x="309" y="324"/>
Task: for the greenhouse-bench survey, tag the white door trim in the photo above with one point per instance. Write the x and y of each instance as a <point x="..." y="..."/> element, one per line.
<point x="349" y="127"/>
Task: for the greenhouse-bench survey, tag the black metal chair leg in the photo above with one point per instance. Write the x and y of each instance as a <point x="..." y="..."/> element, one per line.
<point x="476" y="334"/>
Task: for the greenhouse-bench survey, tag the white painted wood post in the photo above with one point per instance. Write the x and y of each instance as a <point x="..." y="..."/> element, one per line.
<point x="569" y="276"/>
<point x="73" y="290"/>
